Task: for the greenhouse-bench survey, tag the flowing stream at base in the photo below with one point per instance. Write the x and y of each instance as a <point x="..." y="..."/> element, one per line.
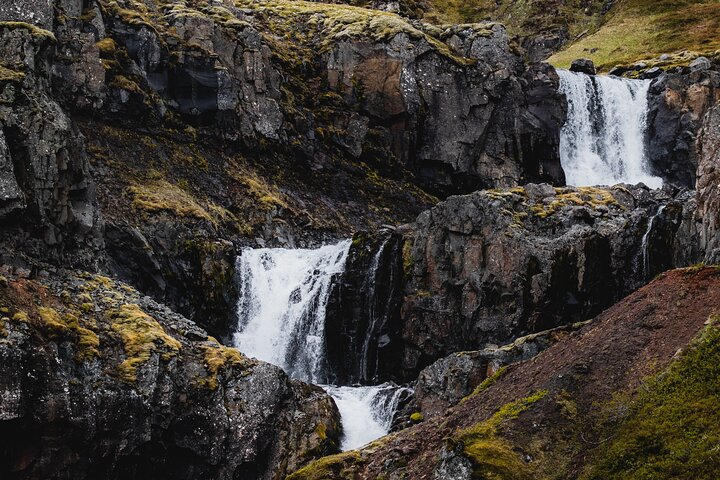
<point x="603" y="139"/>
<point x="281" y="320"/>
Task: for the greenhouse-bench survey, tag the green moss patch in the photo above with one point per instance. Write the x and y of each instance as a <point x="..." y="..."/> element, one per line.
<point x="491" y="455"/>
<point x="339" y="466"/>
<point x="673" y="427"/>
<point x="142" y="335"/>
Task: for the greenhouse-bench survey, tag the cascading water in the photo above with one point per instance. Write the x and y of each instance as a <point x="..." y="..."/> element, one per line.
<point x="281" y="320"/>
<point x="603" y="139"/>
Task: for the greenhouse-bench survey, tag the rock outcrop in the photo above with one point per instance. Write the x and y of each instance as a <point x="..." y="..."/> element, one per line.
<point x="47" y="196"/>
<point x="451" y="379"/>
<point x="97" y="381"/>
<point x="708" y="185"/>
<point x="678" y="102"/>
<point x="492" y="266"/>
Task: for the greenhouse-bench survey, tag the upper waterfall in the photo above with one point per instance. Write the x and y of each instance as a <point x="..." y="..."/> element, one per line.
<point x="603" y="139"/>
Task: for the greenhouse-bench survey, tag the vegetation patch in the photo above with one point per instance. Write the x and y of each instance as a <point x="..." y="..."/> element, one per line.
<point x="491" y="455"/>
<point x="142" y="335"/>
<point x="163" y="196"/>
<point x="35" y="31"/>
<point x="338" y="466"/>
<point x="87" y="341"/>
<point x="672" y="429"/>
<point x="219" y="357"/>
<point x="10" y="75"/>
<point x="640" y="30"/>
<point x="591" y="197"/>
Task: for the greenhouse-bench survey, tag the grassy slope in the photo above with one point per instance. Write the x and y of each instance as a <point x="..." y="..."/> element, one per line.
<point x="644" y="29"/>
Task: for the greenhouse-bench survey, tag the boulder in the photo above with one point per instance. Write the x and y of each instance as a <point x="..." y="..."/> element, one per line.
<point x="583" y="65"/>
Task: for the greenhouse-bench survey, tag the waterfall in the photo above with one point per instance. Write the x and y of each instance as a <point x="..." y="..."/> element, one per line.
<point x="603" y="139"/>
<point x="367" y="412"/>
<point x="281" y="311"/>
<point x="281" y="320"/>
<point x="645" y="246"/>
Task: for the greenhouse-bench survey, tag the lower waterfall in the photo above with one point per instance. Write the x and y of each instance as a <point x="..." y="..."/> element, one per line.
<point x="603" y="139"/>
<point x="281" y="320"/>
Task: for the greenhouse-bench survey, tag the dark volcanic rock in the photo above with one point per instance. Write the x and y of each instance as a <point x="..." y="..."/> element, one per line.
<point x="708" y="185"/>
<point x="583" y="65"/>
<point x="363" y="309"/>
<point x="490" y="267"/>
<point x="47" y="197"/>
<point x="677" y="105"/>
<point x="97" y="381"/>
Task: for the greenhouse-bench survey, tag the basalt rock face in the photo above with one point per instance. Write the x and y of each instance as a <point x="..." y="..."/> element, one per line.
<point x="97" y="381"/>
<point x="678" y="102"/>
<point x="363" y="310"/>
<point x="460" y="127"/>
<point x="492" y="266"/>
<point x="708" y="185"/>
<point x="47" y="198"/>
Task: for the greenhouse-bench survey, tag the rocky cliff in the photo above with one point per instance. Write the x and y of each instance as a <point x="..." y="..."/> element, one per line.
<point x="486" y="268"/>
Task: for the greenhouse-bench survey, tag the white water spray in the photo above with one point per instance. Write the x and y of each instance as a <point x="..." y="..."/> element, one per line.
<point x="603" y="139"/>
<point x="367" y="412"/>
<point x="283" y="295"/>
<point x="281" y="320"/>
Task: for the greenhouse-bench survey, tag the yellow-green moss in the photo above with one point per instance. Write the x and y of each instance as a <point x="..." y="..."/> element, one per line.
<point x="51" y="320"/>
<point x="124" y="83"/>
<point x="87" y="341"/>
<point x="106" y="46"/>
<point x="163" y="196"/>
<point x="21" y="316"/>
<point x="9" y="75"/>
<point x="672" y="429"/>
<point x="488" y="382"/>
<point x="491" y="455"/>
<point x="141" y="335"/>
<point x="417" y="417"/>
<point x="591" y="197"/>
<point x="3" y="326"/>
<point x="338" y="466"/>
<point x="35" y="31"/>
<point x="218" y="357"/>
